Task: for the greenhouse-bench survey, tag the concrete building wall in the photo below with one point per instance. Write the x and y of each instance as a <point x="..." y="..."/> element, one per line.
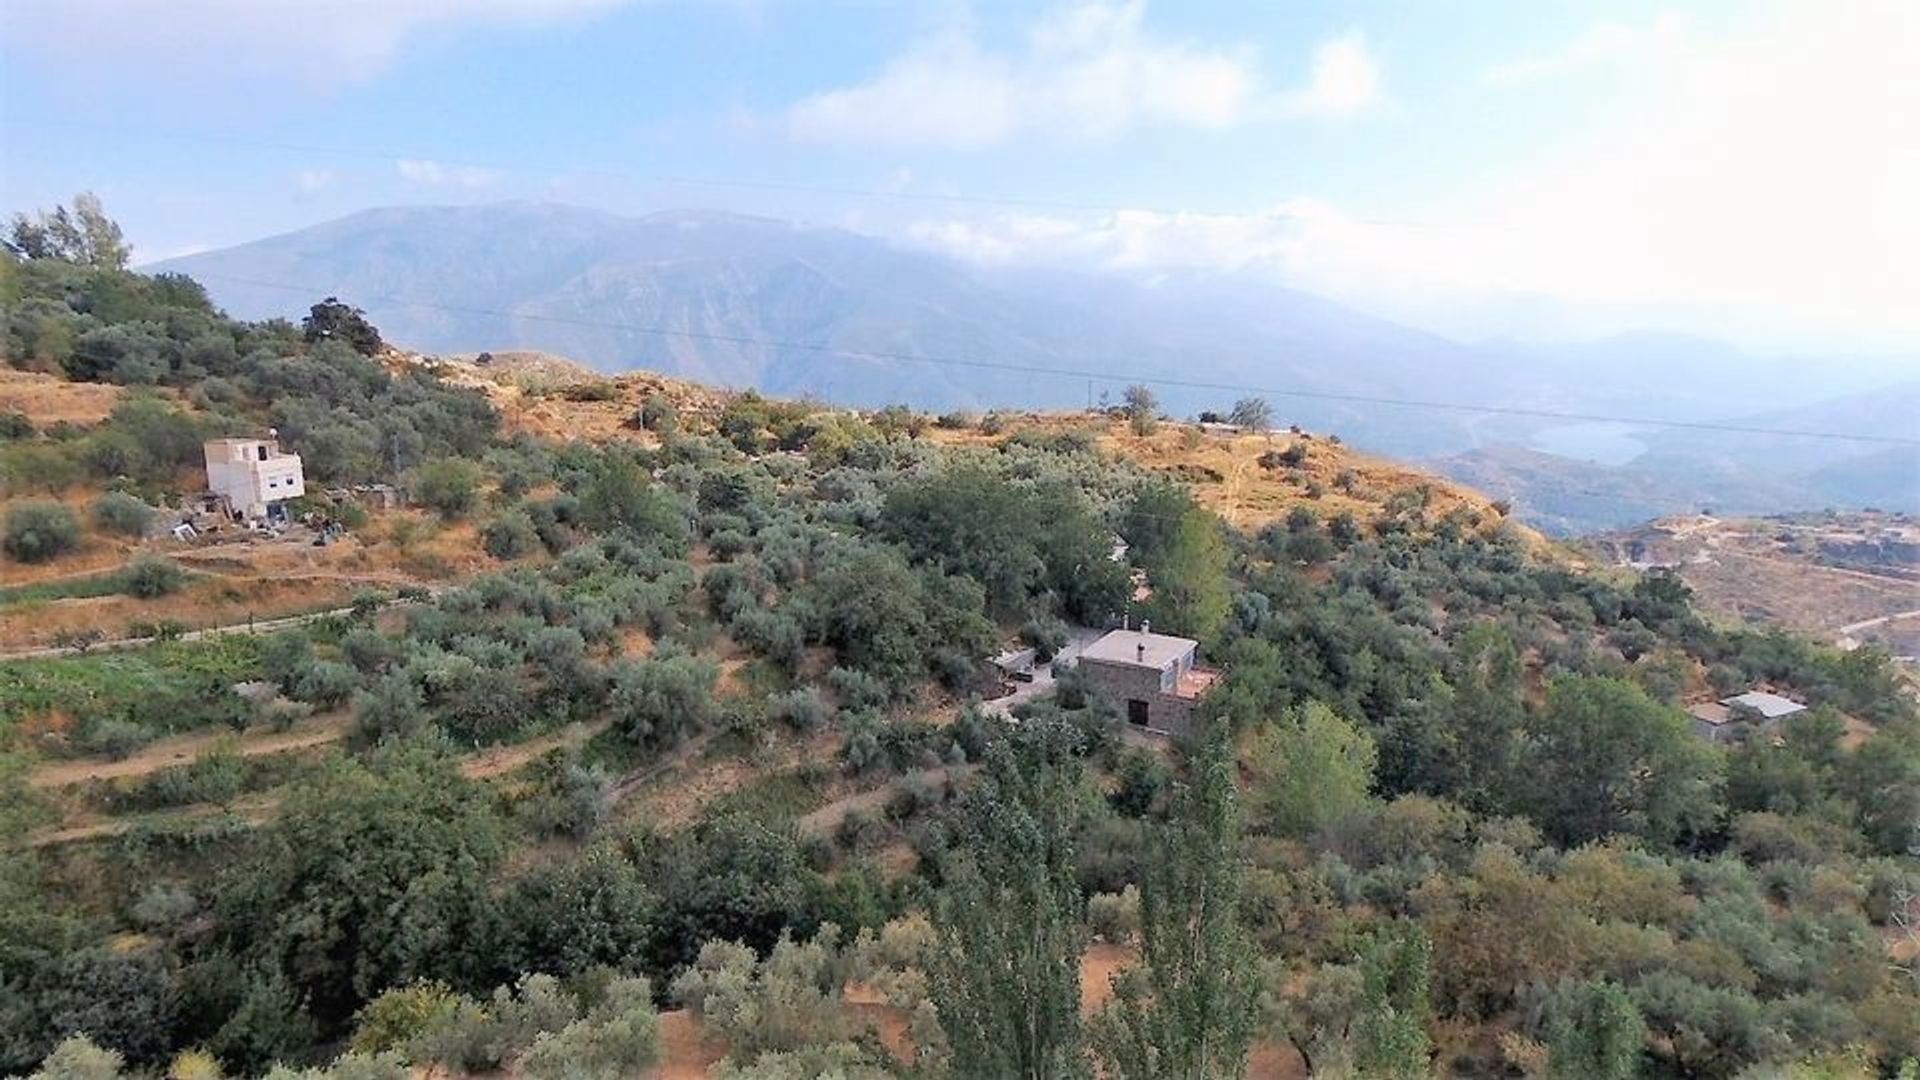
<point x="1139" y="694"/>
<point x="252" y="474"/>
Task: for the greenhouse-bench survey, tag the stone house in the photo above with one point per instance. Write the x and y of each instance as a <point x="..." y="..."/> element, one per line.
<point x="1150" y="679"/>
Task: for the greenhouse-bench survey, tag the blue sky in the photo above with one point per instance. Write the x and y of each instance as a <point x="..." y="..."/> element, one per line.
<point x="1483" y="168"/>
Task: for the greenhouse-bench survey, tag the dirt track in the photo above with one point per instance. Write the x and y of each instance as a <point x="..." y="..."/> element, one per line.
<point x="184" y="749"/>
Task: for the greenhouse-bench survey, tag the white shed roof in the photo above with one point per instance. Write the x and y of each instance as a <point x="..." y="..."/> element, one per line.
<point x="1769" y="706"/>
<point x="1126" y="647"/>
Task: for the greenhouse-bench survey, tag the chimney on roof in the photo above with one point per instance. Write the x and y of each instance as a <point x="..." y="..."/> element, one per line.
<point x="1146" y="627"/>
<point x="1140" y="652"/>
<point x="1126" y="622"/>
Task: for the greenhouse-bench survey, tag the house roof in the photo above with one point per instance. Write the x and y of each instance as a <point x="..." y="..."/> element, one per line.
<point x="1711" y="712"/>
<point x="1769" y="706"/>
<point x="1126" y="647"/>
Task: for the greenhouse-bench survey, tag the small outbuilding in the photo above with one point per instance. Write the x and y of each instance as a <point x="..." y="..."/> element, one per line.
<point x="1734" y="717"/>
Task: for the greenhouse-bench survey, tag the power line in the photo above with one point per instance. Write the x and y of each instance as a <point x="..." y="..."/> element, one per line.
<point x="1077" y="374"/>
<point x="737" y="183"/>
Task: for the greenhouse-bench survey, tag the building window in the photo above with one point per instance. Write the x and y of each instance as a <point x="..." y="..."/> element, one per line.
<point x="1136" y="712"/>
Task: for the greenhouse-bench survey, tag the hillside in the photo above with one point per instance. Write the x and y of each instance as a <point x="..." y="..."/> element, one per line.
<point x="551" y="277"/>
<point x="681" y="729"/>
<point x="1849" y="578"/>
<point x="749" y="302"/>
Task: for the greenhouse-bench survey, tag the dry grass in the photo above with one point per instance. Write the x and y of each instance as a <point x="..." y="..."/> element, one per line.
<point x="49" y="399"/>
<point x="1225" y="472"/>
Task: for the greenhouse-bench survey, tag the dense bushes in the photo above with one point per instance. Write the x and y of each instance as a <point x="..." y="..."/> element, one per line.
<point x="118" y="512"/>
<point x="38" y="531"/>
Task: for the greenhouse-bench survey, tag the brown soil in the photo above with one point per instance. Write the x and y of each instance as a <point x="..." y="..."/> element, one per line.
<point x="530" y="394"/>
<point x="203" y="603"/>
<point x="49" y="399"/>
<point x="685" y="1052"/>
<point x="499" y="760"/>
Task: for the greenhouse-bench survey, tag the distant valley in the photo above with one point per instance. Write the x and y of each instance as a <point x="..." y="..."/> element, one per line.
<point x="800" y="310"/>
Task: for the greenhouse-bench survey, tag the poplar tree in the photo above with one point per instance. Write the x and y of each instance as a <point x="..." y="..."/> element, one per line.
<point x="1187" y="1011"/>
<point x="1390" y="1040"/>
<point x="1006" y="969"/>
<point x="1596" y="1034"/>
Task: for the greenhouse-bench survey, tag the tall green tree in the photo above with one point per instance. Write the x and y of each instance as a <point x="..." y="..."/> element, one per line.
<point x="1390" y="1040"/>
<point x="332" y="320"/>
<point x="1190" y="593"/>
<point x="1143" y="409"/>
<point x="1311" y="767"/>
<point x="1187" y="1011"/>
<point x="84" y="235"/>
<point x="1252" y="413"/>
<point x="1606" y="758"/>
<point x="1596" y="1033"/>
<point x="372" y="876"/>
<point x="1006" y="968"/>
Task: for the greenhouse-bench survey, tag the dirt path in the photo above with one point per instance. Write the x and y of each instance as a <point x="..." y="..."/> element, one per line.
<point x="1868" y="624"/>
<point x="253" y="812"/>
<point x="183" y="749"/>
<point x="252" y="626"/>
<point x="505" y="759"/>
<point x="258" y="810"/>
<point x="829" y="817"/>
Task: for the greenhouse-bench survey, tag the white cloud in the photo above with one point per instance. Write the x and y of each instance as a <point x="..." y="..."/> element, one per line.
<point x="320" y="42"/>
<point x="312" y="181"/>
<point x="435" y="174"/>
<point x="1345" y="79"/>
<point x="1601" y="43"/>
<point x="1767" y="196"/>
<point x="1092" y="71"/>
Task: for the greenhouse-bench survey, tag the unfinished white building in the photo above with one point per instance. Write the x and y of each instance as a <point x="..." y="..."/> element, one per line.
<point x="253" y="476"/>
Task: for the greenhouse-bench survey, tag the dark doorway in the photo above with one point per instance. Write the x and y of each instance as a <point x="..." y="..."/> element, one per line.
<point x="1137" y="712"/>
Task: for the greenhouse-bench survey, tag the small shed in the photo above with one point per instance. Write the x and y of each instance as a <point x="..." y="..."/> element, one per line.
<point x="1732" y="718"/>
<point x="1016" y="664"/>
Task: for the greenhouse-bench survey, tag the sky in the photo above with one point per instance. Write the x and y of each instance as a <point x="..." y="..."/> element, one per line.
<point x="1484" y="169"/>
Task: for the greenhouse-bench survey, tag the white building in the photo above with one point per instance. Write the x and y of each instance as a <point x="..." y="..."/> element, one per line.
<point x="1742" y="714"/>
<point x="253" y="476"/>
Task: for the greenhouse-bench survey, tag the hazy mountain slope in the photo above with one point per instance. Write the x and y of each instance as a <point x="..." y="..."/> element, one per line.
<point x="743" y="301"/>
<point x="1730" y="472"/>
<point x="1564" y="497"/>
<point x="551" y="277"/>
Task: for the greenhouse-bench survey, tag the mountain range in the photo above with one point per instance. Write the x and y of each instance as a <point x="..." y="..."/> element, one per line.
<point x="794" y="309"/>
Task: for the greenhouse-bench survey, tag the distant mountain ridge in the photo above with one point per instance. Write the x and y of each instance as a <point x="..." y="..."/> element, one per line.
<point x="802" y="310"/>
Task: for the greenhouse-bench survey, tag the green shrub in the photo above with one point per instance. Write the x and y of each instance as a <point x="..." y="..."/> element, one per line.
<point x="1046" y="633"/>
<point x="15" y="425"/>
<point x="802" y="709"/>
<point x="39" y="530"/>
<point x="449" y="486"/>
<point x="400" y="1015"/>
<point x="149" y="577"/>
<point x="119" y="512"/>
<point x="595" y="390"/>
<point x="112" y="737"/>
<point x="76" y="1058"/>
<point x="510" y="536"/>
<point x="620" y="1037"/>
<point x="1114" y="917"/>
